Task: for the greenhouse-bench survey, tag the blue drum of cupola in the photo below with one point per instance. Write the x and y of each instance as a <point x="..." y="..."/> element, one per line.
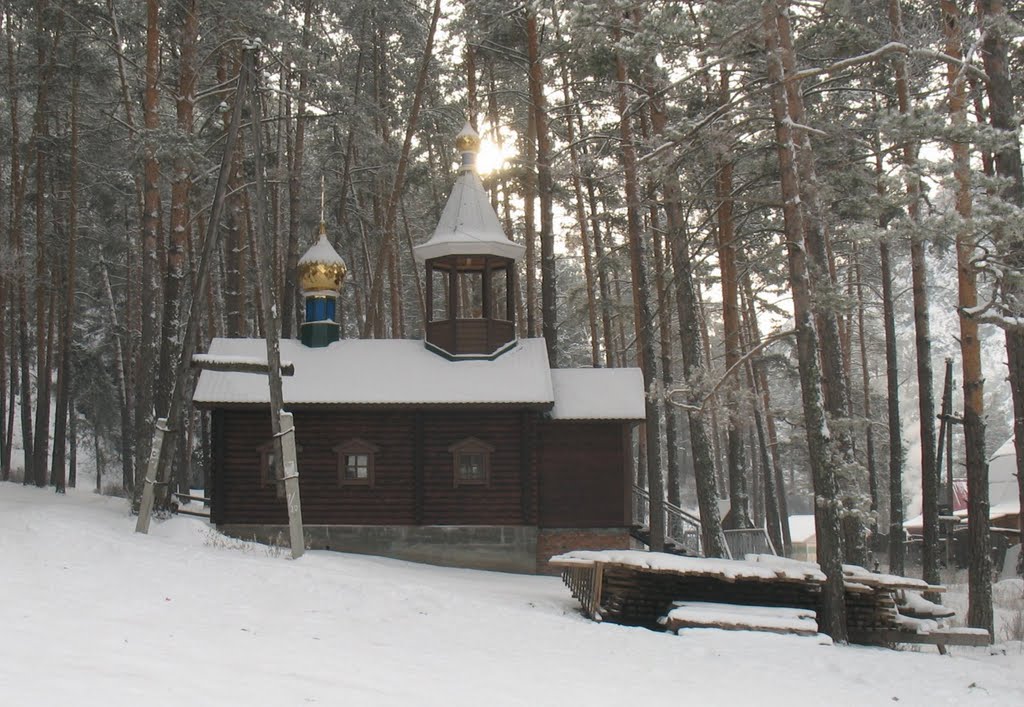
<point x="321" y="272"/>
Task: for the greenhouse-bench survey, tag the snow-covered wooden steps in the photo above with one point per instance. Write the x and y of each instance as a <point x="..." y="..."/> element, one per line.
<point x="738" y="617"/>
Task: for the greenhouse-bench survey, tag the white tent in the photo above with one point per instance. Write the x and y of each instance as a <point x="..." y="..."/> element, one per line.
<point x="1003" y="496"/>
<point x="1003" y="492"/>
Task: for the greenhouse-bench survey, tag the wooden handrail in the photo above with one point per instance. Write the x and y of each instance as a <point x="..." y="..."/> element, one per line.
<point x="668" y="505"/>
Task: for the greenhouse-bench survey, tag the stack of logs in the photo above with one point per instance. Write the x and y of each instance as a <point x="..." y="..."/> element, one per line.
<point x="630" y="593"/>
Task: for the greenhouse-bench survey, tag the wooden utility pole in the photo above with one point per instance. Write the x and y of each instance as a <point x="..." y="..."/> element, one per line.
<point x="285" y="465"/>
<point x="162" y="455"/>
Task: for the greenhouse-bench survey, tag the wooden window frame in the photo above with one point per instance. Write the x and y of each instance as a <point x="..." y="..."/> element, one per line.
<point x="354" y="447"/>
<point x="467" y="446"/>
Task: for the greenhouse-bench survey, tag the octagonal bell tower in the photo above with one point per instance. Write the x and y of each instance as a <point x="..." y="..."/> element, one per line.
<point x="470" y="268"/>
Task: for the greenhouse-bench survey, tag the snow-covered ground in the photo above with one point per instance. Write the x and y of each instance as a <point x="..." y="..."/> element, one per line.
<point x="92" y="614"/>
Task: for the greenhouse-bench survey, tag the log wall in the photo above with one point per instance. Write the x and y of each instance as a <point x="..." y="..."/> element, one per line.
<point x="414" y="472"/>
<point x="555" y="474"/>
<point x="585" y="479"/>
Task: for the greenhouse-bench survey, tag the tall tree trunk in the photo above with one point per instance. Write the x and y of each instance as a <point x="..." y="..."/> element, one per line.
<point x="739" y="499"/>
<point x="40" y="136"/>
<point x="150" y="236"/>
<point x="832" y="617"/>
<point x="398" y="184"/>
<point x="763" y="393"/>
<point x="672" y="446"/>
<point x="892" y="379"/>
<point x="529" y="190"/>
<point x="72" y="438"/>
<point x="603" y="286"/>
<point x="690" y="337"/>
<point x="922" y="326"/>
<point x="18" y="179"/>
<point x="581" y="210"/>
<point x="869" y="431"/>
<point x="120" y="377"/>
<point x="67" y="321"/>
<point x="774" y="518"/>
<point x="181" y="222"/>
<point x="979" y="608"/>
<point x="549" y="311"/>
<point x="1002" y="115"/>
<point x="5" y="444"/>
<point x="645" y="327"/>
<point x="823" y="284"/>
<point x="290" y="298"/>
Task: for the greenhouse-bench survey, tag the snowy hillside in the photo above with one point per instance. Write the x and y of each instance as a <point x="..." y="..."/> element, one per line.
<point x="95" y="615"/>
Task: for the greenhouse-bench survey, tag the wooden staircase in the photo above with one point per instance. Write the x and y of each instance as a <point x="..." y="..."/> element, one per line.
<point x="683" y="531"/>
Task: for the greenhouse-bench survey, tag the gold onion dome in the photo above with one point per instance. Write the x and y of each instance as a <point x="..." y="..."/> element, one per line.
<point x="321" y="268"/>
<point x="467" y="140"/>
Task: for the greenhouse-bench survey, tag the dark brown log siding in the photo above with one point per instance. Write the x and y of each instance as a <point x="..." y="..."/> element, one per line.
<point x="388" y="501"/>
<point x="585" y="480"/>
<point x="497" y="503"/>
<point x="240" y="498"/>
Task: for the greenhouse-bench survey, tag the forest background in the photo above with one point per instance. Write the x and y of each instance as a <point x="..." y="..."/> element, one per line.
<point x="788" y="214"/>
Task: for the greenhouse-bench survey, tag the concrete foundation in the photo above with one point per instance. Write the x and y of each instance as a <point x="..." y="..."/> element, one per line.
<point x="487" y="547"/>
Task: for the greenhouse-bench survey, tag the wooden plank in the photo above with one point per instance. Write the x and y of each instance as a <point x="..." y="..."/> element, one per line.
<point x="947" y="637"/>
<point x="598" y="579"/>
<point x="186" y="512"/>
<point x="742" y="617"/>
<point x="185" y="496"/>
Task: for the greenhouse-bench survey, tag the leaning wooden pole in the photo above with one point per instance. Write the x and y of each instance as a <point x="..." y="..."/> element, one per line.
<point x="158" y="474"/>
<point x="285" y="464"/>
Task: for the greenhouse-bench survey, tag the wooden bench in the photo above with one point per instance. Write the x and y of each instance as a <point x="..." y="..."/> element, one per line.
<point x="741" y="617"/>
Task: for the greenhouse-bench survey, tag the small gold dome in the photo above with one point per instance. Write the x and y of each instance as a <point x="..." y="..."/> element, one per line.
<point x="467" y="140"/>
<point x="321" y="268"/>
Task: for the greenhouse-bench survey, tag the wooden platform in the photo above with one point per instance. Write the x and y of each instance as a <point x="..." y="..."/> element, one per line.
<point x="737" y="617"/>
<point x="660" y="591"/>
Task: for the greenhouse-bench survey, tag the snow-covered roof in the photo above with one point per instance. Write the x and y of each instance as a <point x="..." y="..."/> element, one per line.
<point x="598" y="393"/>
<point x="404" y="372"/>
<point x="801" y="528"/>
<point x="382" y="372"/>
<point x="321" y="252"/>
<point x="468" y="225"/>
<point x="728" y="570"/>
